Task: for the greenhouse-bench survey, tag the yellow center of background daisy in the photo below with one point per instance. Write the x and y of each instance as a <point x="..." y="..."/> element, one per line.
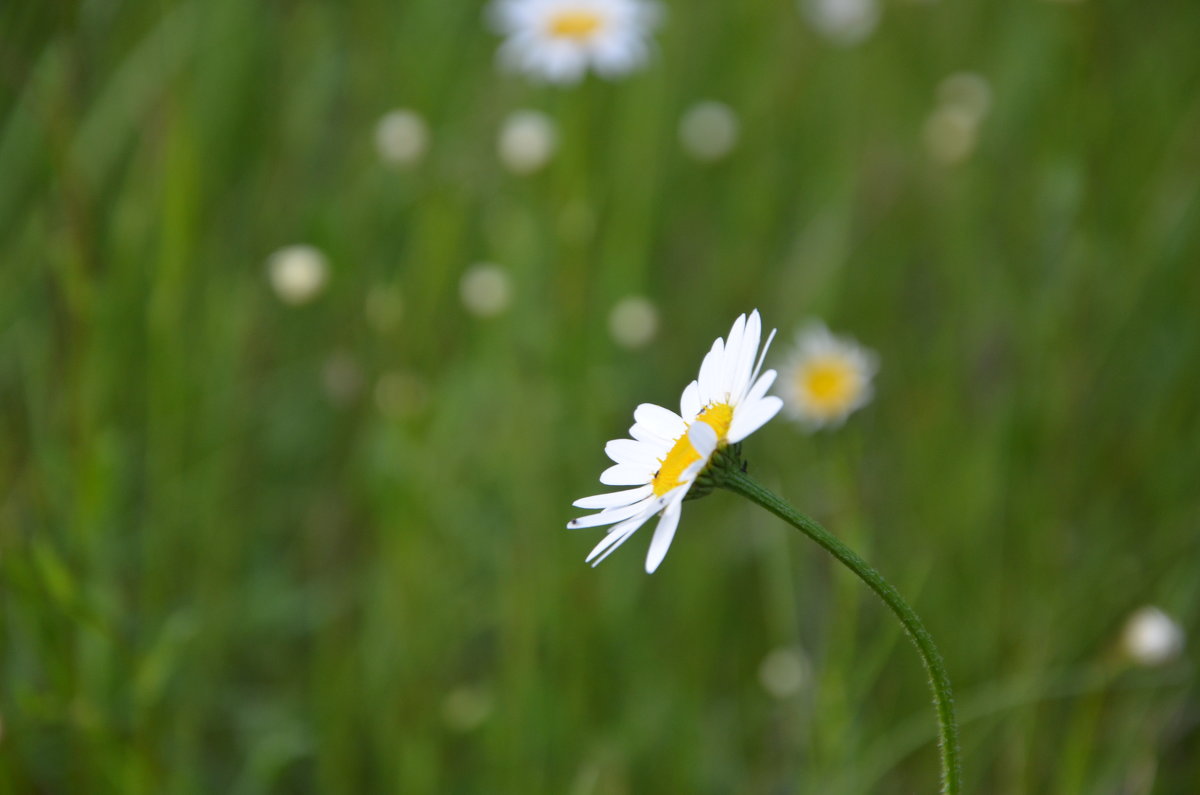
<point x="682" y="455"/>
<point x="577" y="24"/>
<point x="830" y="384"/>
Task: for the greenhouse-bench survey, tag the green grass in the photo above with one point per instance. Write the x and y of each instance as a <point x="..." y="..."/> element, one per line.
<point x="217" y="579"/>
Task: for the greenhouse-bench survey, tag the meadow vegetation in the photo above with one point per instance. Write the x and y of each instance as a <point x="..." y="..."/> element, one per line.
<point x="259" y="543"/>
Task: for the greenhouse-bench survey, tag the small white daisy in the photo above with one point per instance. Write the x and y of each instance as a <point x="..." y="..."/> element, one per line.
<point x="298" y="273"/>
<point x="1151" y="637"/>
<point x="827" y="377"/>
<point x="669" y="451"/>
<point x="557" y="40"/>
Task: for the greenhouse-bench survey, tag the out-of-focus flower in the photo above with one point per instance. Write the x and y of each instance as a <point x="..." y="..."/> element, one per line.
<point x="401" y="137"/>
<point x="633" y="321"/>
<point x="669" y="451"/>
<point x="558" y="40"/>
<point x="826" y="377"/>
<point x="400" y="394"/>
<point x="967" y="91"/>
<point x="384" y="308"/>
<point x="950" y="134"/>
<point x="466" y="707"/>
<point x="1151" y="637"/>
<point x="485" y="290"/>
<point x="708" y="130"/>
<point x="297" y="273"/>
<point x="783" y="672"/>
<point x="527" y="141"/>
<point x="844" y="22"/>
<point x="952" y="130"/>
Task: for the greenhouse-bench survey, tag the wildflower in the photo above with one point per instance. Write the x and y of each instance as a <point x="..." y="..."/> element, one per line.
<point x="708" y="130"/>
<point x="633" y="321"/>
<point x="466" y="708"/>
<point x="843" y="22"/>
<point x="297" y="273"/>
<point x="784" y="672"/>
<point x="967" y="91"/>
<point x="558" y="40"/>
<point x="950" y="134"/>
<point x="527" y="141"/>
<point x="669" y="451"/>
<point x="485" y="290"/>
<point x="401" y="137"/>
<point x="952" y="130"/>
<point x="1151" y="637"/>
<point x="827" y="377"/>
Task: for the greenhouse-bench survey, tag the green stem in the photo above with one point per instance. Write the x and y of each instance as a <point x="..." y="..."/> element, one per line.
<point x="740" y="483"/>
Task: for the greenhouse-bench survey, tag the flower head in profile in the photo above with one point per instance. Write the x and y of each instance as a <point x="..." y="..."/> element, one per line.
<point x="668" y="452"/>
<point x="558" y="40"/>
<point x="827" y="377"/>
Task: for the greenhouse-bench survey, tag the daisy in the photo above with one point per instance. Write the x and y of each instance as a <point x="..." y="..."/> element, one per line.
<point x="669" y="451"/>
<point x="827" y="377"/>
<point x="557" y="40"/>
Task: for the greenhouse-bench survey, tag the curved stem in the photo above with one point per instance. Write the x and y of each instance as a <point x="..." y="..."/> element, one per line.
<point x="741" y="483"/>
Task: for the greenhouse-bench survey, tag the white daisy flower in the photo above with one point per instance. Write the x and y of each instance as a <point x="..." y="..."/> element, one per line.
<point x="298" y="273"/>
<point x="557" y="40"/>
<point x="827" y="377"/>
<point x="1151" y="637"/>
<point x="669" y="451"/>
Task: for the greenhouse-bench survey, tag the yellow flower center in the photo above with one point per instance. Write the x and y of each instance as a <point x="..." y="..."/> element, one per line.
<point x="682" y="455"/>
<point x="830" y="384"/>
<point x="578" y="24"/>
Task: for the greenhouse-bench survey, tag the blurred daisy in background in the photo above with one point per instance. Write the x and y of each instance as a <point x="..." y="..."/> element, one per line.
<point x="558" y="40"/>
<point x="826" y="377"/>
<point x="466" y="708"/>
<point x="633" y="321"/>
<point x="527" y="141"/>
<point x="784" y="672"/>
<point x="669" y="451"/>
<point x="485" y="290"/>
<point x="951" y="131"/>
<point x="297" y="273"/>
<point x="843" y="22"/>
<point x="401" y="137"/>
<point x="709" y="130"/>
<point x="1151" y="637"/>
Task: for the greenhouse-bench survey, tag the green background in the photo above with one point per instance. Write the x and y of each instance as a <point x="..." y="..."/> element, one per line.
<point x="217" y="577"/>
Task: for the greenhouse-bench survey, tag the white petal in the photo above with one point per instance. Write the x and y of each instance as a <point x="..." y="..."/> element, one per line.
<point x="752" y="416"/>
<point x="733" y="354"/>
<point x="745" y="362"/>
<point x="628" y="451"/>
<point x="664" y="422"/>
<point x="625" y="475"/>
<point x="703" y="438"/>
<point x="612" y="499"/>
<point x="710" y="372"/>
<point x="763" y="355"/>
<point x="647" y="436"/>
<point x="619" y="535"/>
<point x="608" y="516"/>
<point x="759" y="390"/>
<point x="689" y="404"/>
<point x="663" y="535"/>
